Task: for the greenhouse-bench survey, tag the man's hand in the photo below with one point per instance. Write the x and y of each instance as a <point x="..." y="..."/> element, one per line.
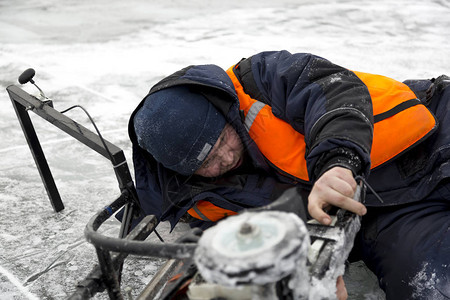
<point x="335" y="187"/>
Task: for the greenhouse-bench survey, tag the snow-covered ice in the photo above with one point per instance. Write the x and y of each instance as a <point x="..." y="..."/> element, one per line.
<point x="106" y="54"/>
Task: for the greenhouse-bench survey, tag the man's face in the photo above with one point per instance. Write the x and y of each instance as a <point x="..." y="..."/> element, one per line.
<point x="226" y="155"/>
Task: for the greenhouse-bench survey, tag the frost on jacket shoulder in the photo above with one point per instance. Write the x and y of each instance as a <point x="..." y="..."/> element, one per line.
<point x="326" y="103"/>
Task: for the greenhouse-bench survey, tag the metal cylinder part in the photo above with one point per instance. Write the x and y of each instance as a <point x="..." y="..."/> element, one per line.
<point x="253" y="248"/>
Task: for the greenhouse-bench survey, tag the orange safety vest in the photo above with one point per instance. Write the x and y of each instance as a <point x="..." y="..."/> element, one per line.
<point x="400" y="122"/>
<point x="206" y="211"/>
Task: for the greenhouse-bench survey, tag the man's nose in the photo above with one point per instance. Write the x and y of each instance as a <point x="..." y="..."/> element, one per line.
<point x="227" y="158"/>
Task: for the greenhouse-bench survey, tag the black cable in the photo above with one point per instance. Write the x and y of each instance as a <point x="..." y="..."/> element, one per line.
<point x="358" y="177"/>
<point x="96" y="129"/>
<point x="157" y="234"/>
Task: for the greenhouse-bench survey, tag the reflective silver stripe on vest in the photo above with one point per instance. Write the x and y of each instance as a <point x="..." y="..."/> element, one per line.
<point x="204" y="218"/>
<point x="252" y="113"/>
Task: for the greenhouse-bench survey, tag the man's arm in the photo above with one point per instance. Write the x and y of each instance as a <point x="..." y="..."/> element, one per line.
<point x="328" y="104"/>
<point x="332" y="107"/>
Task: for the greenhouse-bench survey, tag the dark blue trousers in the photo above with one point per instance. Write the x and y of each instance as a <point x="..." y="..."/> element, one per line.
<point x="408" y="247"/>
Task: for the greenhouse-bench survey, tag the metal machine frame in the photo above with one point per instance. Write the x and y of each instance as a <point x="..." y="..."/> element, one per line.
<point x="111" y="252"/>
<point x="107" y="274"/>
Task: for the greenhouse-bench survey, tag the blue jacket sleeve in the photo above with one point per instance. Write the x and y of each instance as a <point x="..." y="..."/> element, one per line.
<point x="328" y="104"/>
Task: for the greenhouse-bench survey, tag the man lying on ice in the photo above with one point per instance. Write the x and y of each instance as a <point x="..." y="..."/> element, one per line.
<point x="209" y="143"/>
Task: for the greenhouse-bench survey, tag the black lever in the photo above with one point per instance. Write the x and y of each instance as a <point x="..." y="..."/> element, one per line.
<point x="27" y="76"/>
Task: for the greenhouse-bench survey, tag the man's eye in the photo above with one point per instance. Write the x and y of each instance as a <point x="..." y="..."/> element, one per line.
<point x="222" y="140"/>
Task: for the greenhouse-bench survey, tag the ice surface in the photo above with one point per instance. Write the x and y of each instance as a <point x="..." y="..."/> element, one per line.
<point x="106" y="54"/>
